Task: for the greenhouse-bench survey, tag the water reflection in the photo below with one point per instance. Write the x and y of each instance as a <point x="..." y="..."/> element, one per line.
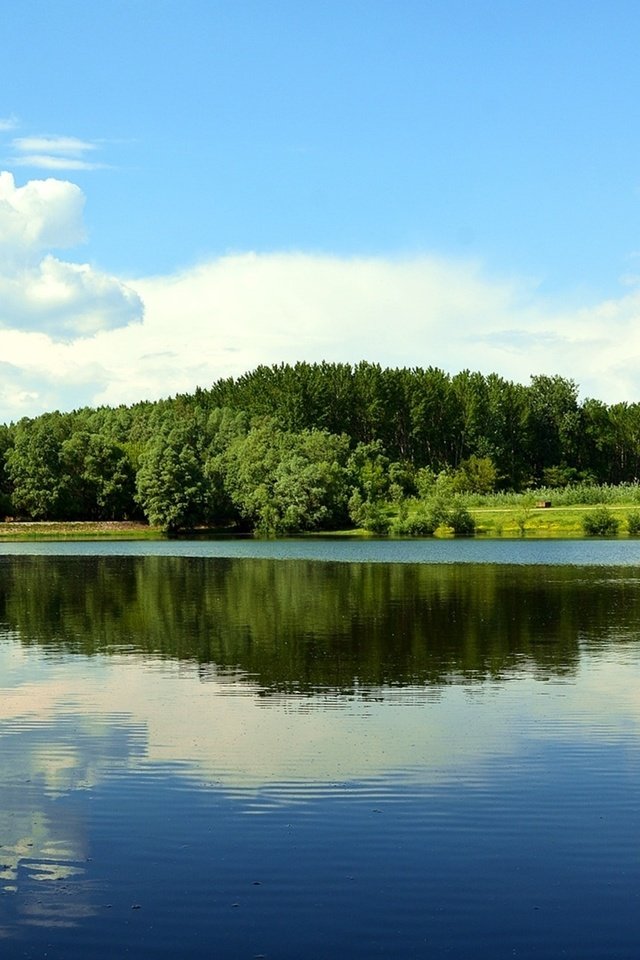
<point x="303" y="626"/>
<point x="54" y="753"/>
<point x="149" y="704"/>
<point x="317" y="642"/>
<point x="298" y="672"/>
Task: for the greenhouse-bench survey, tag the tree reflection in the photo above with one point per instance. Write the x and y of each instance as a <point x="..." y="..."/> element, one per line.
<point x="307" y="626"/>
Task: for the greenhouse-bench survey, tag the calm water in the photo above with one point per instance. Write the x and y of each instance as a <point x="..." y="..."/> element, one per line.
<point x="243" y="752"/>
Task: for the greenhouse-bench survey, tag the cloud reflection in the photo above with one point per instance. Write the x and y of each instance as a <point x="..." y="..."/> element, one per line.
<point x="70" y="723"/>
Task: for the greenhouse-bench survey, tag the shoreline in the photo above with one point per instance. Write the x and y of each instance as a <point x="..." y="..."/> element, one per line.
<point x="78" y="530"/>
<point x="555" y="523"/>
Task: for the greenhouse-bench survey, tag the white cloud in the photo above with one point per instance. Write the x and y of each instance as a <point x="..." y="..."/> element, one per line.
<point x="39" y="291"/>
<point x="8" y="123"/>
<point x="54" y="153"/>
<point x="64" y="145"/>
<point x="227" y="316"/>
<point x="44" y="162"/>
<point x="224" y="317"/>
<point x="65" y="299"/>
<point x="41" y="215"/>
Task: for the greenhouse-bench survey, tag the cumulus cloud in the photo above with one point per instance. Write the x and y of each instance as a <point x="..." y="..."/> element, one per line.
<point x="41" y="215"/>
<point x="17" y="393"/>
<point x="41" y="374"/>
<point x="39" y="291"/>
<point x="66" y="299"/>
<point x="226" y="316"/>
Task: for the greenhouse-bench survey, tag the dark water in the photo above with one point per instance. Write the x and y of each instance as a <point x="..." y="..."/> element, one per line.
<point x="245" y="757"/>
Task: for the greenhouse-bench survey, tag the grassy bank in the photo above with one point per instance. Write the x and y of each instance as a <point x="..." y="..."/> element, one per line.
<point x="560" y="522"/>
<point x="491" y="522"/>
<point x="77" y="530"/>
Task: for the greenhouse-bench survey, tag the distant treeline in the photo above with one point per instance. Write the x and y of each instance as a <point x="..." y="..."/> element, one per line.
<point x="311" y="446"/>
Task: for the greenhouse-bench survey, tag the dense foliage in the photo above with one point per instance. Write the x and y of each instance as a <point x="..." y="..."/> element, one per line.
<point x="316" y="446"/>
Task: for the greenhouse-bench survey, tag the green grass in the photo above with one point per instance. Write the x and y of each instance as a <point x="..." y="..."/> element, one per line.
<point x="77" y="530"/>
<point x="521" y="518"/>
<point x="559" y="522"/>
<point x="495" y="516"/>
<point x="512" y="515"/>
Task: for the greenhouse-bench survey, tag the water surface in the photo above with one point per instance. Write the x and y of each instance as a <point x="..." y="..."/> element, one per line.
<point x="354" y="550"/>
<point x="240" y="756"/>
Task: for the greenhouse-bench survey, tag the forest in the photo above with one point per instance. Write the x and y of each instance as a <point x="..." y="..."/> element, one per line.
<point x="320" y="446"/>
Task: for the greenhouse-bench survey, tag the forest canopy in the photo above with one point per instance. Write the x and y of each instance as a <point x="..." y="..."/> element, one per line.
<point x="311" y="446"/>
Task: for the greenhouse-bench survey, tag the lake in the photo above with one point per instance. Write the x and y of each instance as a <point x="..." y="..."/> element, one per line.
<point x="320" y="749"/>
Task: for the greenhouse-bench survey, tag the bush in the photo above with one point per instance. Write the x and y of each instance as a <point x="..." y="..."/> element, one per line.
<point x="461" y="522"/>
<point x="600" y="523"/>
<point x="420" y="524"/>
<point x="435" y="513"/>
<point x="475" y="475"/>
<point x="633" y="523"/>
<point x="368" y="514"/>
<point x="377" y="521"/>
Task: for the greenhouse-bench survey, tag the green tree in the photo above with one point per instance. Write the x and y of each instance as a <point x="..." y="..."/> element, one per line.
<point x="507" y="431"/>
<point x="35" y="469"/>
<point x="100" y="477"/>
<point x="475" y="475"/>
<point x="434" y="418"/>
<point x="6" y="487"/>
<point x="281" y="481"/>
<point x="368" y="468"/>
<point x="471" y="397"/>
<point x="171" y="486"/>
<point x="555" y="422"/>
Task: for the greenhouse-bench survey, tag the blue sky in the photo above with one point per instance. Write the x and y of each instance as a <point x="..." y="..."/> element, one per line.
<point x="455" y="183"/>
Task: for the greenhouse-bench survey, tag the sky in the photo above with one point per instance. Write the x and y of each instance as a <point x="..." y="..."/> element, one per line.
<point x="189" y="189"/>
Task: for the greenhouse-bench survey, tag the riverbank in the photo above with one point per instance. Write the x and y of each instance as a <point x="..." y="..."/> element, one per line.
<point x="551" y="522"/>
<point x="78" y="530"/>
<point x="565" y="522"/>
<point x="536" y="522"/>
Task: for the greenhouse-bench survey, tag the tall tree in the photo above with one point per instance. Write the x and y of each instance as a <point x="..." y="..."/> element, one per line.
<point x="172" y="488"/>
<point x="281" y="481"/>
<point x="100" y="477"/>
<point x="35" y="468"/>
<point x="555" y="422"/>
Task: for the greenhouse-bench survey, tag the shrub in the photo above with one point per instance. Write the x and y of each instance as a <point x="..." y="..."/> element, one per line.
<point x="633" y="523"/>
<point x="600" y="523"/>
<point x="521" y="520"/>
<point x="368" y="514"/>
<point x="461" y="522"/>
<point x="376" y="520"/>
<point x="420" y="524"/>
<point x="425" y="482"/>
<point x="357" y="510"/>
<point x="475" y="475"/>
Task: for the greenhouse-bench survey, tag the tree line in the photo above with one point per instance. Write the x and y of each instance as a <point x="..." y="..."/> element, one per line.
<point x="311" y="446"/>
